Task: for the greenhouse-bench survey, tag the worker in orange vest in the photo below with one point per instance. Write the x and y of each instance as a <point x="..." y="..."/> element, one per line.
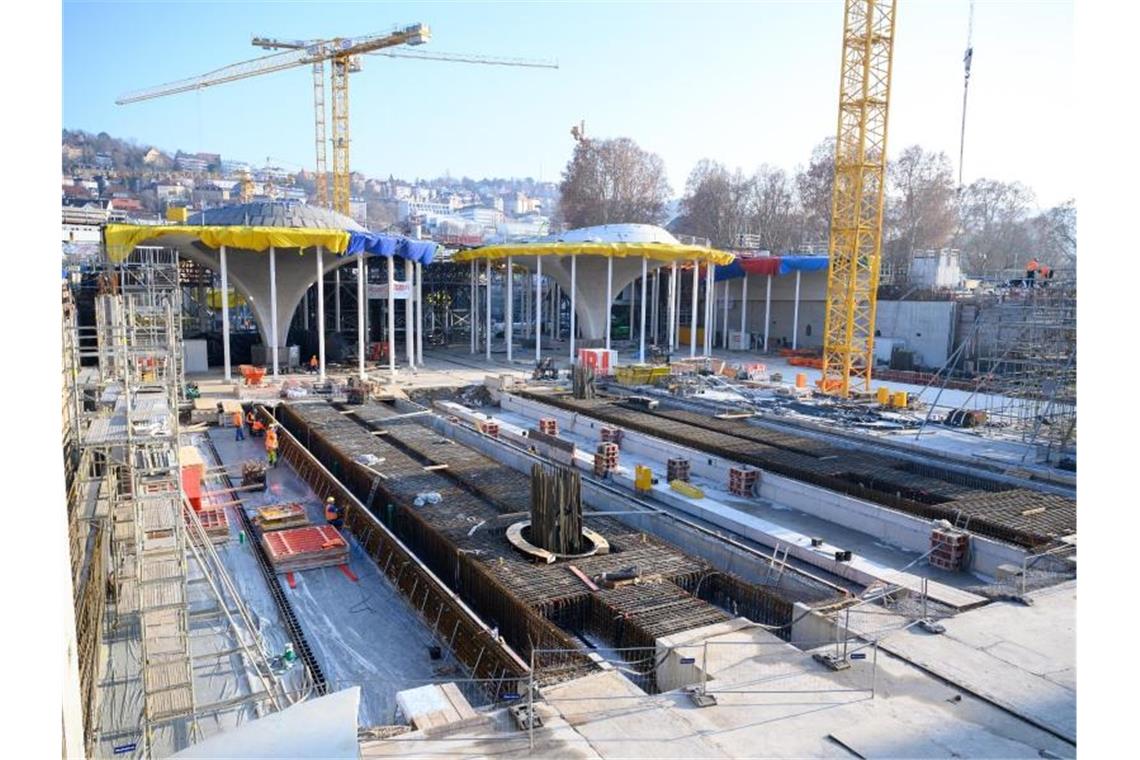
<point x="1031" y="271"/>
<point x="271" y="444"/>
<point x="314" y="364"/>
<point x="333" y="514"/>
<point x="239" y="426"/>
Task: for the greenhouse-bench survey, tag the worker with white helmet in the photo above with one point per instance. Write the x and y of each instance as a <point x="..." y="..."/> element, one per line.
<point x="334" y="515"/>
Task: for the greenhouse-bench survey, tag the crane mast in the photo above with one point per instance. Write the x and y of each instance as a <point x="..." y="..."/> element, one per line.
<point x="857" y="196"/>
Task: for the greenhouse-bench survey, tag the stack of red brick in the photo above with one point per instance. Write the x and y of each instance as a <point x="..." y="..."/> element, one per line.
<point x="605" y="458"/>
<point x="742" y="480"/>
<point x="611" y="434"/>
<point x="948" y="548"/>
<point x="489" y="427"/>
<point x="677" y="469"/>
<point x="548" y="425"/>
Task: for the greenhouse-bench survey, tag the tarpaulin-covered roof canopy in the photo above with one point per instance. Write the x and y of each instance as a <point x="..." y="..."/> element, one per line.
<point x="771" y="265"/>
<point x="657" y="251"/>
<point x="121" y="239"/>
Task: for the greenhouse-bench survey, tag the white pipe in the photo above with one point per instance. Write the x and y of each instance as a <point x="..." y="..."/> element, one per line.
<point x="710" y="297"/>
<point x="336" y="304"/>
<point x="796" y="312"/>
<point x="473" y="309"/>
<point x="321" y="309"/>
<point x="724" y="329"/>
<point x="225" y="315"/>
<point x="644" y="281"/>
<point x="573" y="303"/>
<point x="509" y="312"/>
<point x="609" y="297"/>
<point x="419" y="267"/>
<point x="693" y="316"/>
<point x="653" y="321"/>
<point x="767" y="312"/>
<point x="361" y="303"/>
<point x="392" y="317"/>
<point x="538" y="310"/>
<point x="672" y="330"/>
<point x="487" y="326"/>
<point x="410" y="314"/>
<point x="743" y="309"/>
<point x="273" y="304"/>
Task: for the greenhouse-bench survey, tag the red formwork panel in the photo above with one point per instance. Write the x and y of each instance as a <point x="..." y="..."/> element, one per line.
<point x="192" y="486"/>
<point x="305" y="548"/>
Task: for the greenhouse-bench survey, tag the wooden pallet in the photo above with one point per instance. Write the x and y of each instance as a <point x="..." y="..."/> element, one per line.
<point x="281" y="517"/>
<point x="305" y="548"/>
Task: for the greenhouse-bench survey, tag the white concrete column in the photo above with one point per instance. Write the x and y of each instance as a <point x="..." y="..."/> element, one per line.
<point x="744" y="309"/>
<point x="336" y="299"/>
<point x="573" y="303"/>
<point x="392" y="317"/>
<point x="321" y="309"/>
<point x="538" y="310"/>
<point x="767" y="312"/>
<point x="361" y="308"/>
<point x="509" y="312"/>
<point x="410" y="314"/>
<point x="419" y="267"/>
<point x="653" y="321"/>
<point x="473" y="310"/>
<point x="796" y="312"/>
<point x="710" y="305"/>
<point x="305" y="311"/>
<point x="672" y="328"/>
<point x="724" y="329"/>
<point x="487" y="326"/>
<point x="273" y="305"/>
<point x="225" y="315"/>
<point x="693" y="316"/>
<point x="609" y="297"/>
<point x="644" y="281"/>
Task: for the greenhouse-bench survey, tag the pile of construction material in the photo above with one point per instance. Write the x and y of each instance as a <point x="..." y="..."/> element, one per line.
<point x="677" y="468"/>
<point x="605" y="458"/>
<point x="548" y="425"/>
<point x="215" y="522"/>
<point x="305" y="548"/>
<point x="253" y="473"/>
<point x="281" y="517"/>
<point x="742" y="480"/>
<point x="948" y="547"/>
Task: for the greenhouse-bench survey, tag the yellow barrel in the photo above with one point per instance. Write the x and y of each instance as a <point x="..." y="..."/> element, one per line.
<point x="883" y="395"/>
<point x="642" y="478"/>
<point x="801" y="380"/>
<point x="900" y="399"/>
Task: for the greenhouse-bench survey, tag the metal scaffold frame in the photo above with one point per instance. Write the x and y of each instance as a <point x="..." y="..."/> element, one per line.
<point x="122" y="417"/>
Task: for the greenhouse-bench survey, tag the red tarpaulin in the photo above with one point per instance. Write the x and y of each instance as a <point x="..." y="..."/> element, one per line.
<point x="767" y="265"/>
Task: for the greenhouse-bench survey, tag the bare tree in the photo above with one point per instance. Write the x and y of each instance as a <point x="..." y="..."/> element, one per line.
<point x="921" y="212"/>
<point x="996" y="237"/>
<point x="773" y="213"/>
<point x="813" y="185"/>
<point x="715" y="204"/>
<point x="613" y="181"/>
<point x="1055" y="235"/>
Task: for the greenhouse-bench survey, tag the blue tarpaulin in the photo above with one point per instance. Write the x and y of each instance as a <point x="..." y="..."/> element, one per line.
<point x="379" y="244"/>
<point x="789" y="264"/>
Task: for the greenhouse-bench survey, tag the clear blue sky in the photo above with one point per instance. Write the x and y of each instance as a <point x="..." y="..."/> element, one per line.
<point x="744" y="83"/>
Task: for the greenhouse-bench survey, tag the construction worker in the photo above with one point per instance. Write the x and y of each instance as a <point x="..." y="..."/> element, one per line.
<point x="239" y="426"/>
<point x="256" y="428"/>
<point x="333" y="514"/>
<point x="271" y="444"/>
<point x="1031" y="271"/>
<point x="314" y="365"/>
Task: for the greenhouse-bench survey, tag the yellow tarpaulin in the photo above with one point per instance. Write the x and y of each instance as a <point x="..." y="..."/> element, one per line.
<point x="214" y="298"/>
<point x="655" y="251"/>
<point x="121" y="239"/>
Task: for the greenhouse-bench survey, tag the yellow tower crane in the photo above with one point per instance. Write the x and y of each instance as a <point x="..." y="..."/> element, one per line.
<point x="345" y="56"/>
<point x="857" y="197"/>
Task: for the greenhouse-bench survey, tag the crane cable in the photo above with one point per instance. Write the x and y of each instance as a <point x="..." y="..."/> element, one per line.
<point x="967" y="59"/>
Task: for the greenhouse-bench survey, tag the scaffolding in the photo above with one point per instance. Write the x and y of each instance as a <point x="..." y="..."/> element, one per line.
<point x="1020" y="351"/>
<point x="131" y="529"/>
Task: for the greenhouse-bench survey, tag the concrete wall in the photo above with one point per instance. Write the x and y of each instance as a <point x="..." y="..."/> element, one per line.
<point x="925" y="327"/>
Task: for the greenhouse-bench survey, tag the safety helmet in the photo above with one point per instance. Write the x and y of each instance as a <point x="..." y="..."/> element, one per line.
<point x="330" y="500"/>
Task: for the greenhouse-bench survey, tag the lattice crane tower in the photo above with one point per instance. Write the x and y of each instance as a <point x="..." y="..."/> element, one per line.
<point x="857" y="196"/>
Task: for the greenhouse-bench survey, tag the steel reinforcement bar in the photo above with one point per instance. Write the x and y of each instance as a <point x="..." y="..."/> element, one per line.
<point x="452" y="622"/>
<point x="1017" y="516"/>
